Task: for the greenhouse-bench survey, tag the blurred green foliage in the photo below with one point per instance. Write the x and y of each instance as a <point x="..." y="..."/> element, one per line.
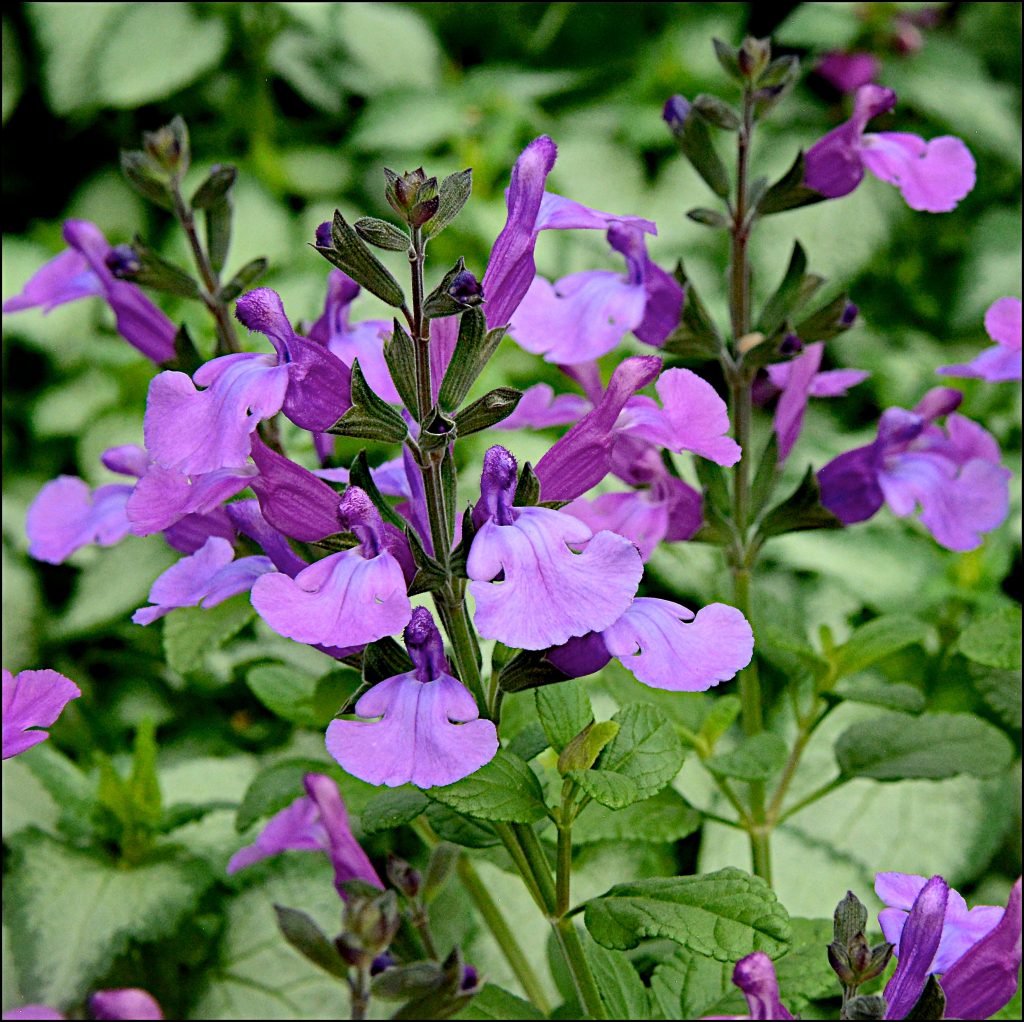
<point x="310" y="100"/>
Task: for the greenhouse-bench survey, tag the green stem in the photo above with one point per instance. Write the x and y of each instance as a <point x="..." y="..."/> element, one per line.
<point x="582" y="975"/>
<point x="514" y="849"/>
<point x="502" y="933"/>
<point x="825" y="789"/>
<point x="360" y="986"/>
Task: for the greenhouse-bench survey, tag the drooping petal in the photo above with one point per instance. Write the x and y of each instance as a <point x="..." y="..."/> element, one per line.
<point x="693" y="418"/>
<point x="580" y="459"/>
<point x="665" y="645"/>
<point x="540" y="407"/>
<point x="558" y="213"/>
<point x="427" y="734"/>
<point x="198" y="431"/>
<point x="547" y="593"/>
<point x="65" y="278"/>
<point x="342" y="291"/>
<point x="210" y="576"/>
<point x="932" y="176"/>
<point x="665" y="297"/>
<point x="32" y="699"/>
<point x="163" y="496"/>
<point x="833" y="165"/>
<point x="297" y="827"/>
<point x="849" y="485"/>
<point x="919" y="942"/>
<point x="66" y="515"/>
<point x="1003" y="361"/>
<point x="342" y="600"/>
<point x="365" y="341"/>
<point x="128" y="1003"/>
<point x="246" y="518"/>
<point x="685" y="508"/>
<point x="755" y="976"/>
<point x="984" y="979"/>
<point x="191" y="532"/>
<point x="789" y="413"/>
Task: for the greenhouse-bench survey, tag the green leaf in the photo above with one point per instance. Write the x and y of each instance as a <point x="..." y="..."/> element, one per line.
<point x="310" y="941"/>
<point x="622" y="991"/>
<point x="71" y="914"/>
<point x="876" y="640"/>
<point x="724" y="711"/>
<point x="1001" y="690"/>
<point x="994" y="639"/>
<point x="664" y="817"/>
<point x="757" y="758"/>
<point x="460" y="830"/>
<point x="691" y="985"/>
<point x="725" y="915"/>
<point x="789" y="192"/>
<point x="904" y="698"/>
<point x="782" y="302"/>
<point x="143" y="784"/>
<point x="505" y="790"/>
<point x="934" y="745"/>
<point x="495" y="1003"/>
<point x="696" y="336"/>
<point x="258" y="975"/>
<point x="301" y="698"/>
<point x="192" y="632"/>
<point x="454" y="194"/>
<point x="564" y="711"/>
<point x="393" y="808"/>
<point x="611" y="790"/>
<point x="67" y="785"/>
<point x="473" y="350"/>
<point x="582" y="751"/>
<point x="382" y="234"/>
<point x="801" y="510"/>
<point x="12" y="72"/>
<point x="529" y="742"/>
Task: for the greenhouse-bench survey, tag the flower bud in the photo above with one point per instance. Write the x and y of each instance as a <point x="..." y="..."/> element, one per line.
<point x="370" y="924"/>
<point x="466" y="289"/>
<point x="850" y="312"/>
<point x="413" y="195"/>
<point x="753" y="56"/>
<point x="791" y="345"/>
<point x="123" y="262"/>
<point x="675" y="112"/>
<point x="406" y="879"/>
<point x="168" y="146"/>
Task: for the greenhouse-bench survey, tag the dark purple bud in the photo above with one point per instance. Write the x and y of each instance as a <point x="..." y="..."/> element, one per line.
<point x="358" y="515"/>
<point x="425" y="646"/>
<point x="123" y="262"/>
<point x="466" y="289"/>
<point x="382" y="962"/>
<point x="675" y="112"/>
<point x="791" y="345"/>
<point x="470" y="978"/>
<point x="840" y="962"/>
<point x="323" y="236"/>
<point x="850" y="312"/>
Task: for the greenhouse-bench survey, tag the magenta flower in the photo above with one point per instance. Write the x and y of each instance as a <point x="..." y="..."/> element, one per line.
<point x="755" y="976"/>
<point x="800" y="379"/>
<point x="42" y="1012"/>
<point x="314" y="822"/>
<point x="346" y="599"/>
<point x="81" y="271"/>
<point x="962" y="928"/>
<point x="425" y="727"/>
<point x="1002" y="362"/>
<point x="953" y="474"/>
<point x="931" y="176"/>
<point x="128" y="1003"/>
<point x="984" y="976"/>
<point x="847" y="72"/>
<point x="198" y="431"/>
<point x="209" y="576"/>
<point x="32" y="699"/>
<point x="586" y="315"/>
<point x="541" y="577"/>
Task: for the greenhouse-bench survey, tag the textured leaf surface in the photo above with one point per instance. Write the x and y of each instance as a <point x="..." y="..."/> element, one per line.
<point x="504" y="790"/>
<point x="755" y="759"/>
<point x="564" y="711"/>
<point x="994" y="639"/>
<point x="192" y="632"/>
<point x="392" y="808"/>
<point x="666" y="816"/>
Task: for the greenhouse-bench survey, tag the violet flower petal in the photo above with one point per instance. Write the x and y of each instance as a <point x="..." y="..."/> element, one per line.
<point x="849" y="485"/>
<point x="665" y="645"/>
<point x="163" y="496"/>
<point x="789" y="413"/>
<point x="127" y="460"/>
<point x="426" y="734"/>
<point x="128" y="1003"/>
<point x="637" y="515"/>
<point x="558" y="213"/>
<point x="755" y="976"/>
<point x="1003" y="361"/>
<point x="548" y="593"/>
<point x="189" y="533"/>
<point x="580" y="459"/>
<point x="540" y="407"/>
<point x="365" y="341"/>
<point x="343" y="600"/>
<point x="920" y="941"/>
<point x="33" y="1011"/>
<point x="932" y="176"/>
<point x="245" y="516"/>
<point x="985" y="977"/>
<point x="32" y="699"/>
<point x="66" y="515"/>
<point x="847" y="72"/>
<point x="581" y="656"/>
<point x="65" y="278"/>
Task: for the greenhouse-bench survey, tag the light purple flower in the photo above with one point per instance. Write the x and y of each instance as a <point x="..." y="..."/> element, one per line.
<point x="541" y="577"/>
<point x="931" y="176"/>
<point x="1002" y="362"/>
<point x="800" y="379"/>
<point x="247" y="519"/>
<point x="32" y="699"/>
<point x="427" y="729"/>
<point x="34" y="1011"/>
<point x="954" y="474"/>
<point x="81" y="271"/>
<point x="127" y="1003"/>
<point x="586" y="315"/>
<point x="847" y="72"/>
<point x="198" y="431"/>
<point x="314" y="822"/>
<point x="540" y="407"/>
<point x="755" y="976"/>
<point x="67" y="515"/>
<point x="346" y="599"/>
<point x="961" y="927"/>
<point x="209" y="576"/>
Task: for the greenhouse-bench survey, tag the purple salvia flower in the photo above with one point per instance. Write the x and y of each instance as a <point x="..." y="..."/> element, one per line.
<point x="128" y="1003"/>
<point x="209" y="576"/>
<point x="247" y="519"/>
<point x="67" y="515"/>
<point x="1002" y="362"/>
<point x="920" y="938"/>
<point x="984" y="978"/>
<point x="586" y="315"/>
<point x="755" y="976"/>
<point x="932" y="176"/>
<point x="429" y="730"/>
<point x="314" y="822"/>
<point x="954" y="474"/>
<point x="540" y="407"/>
<point x="42" y="1012"/>
<point x="346" y="599"/>
<point x="961" y="927"/>
<point x="531" y="589"/>
<point x="81" y="271"/>
<point x="32" y="699"/>
<point x="847" y="72"/>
